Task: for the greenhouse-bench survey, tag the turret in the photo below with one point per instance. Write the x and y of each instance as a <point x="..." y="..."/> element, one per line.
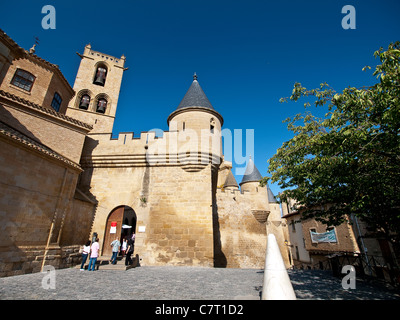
<point x="230" y="182"/>
<point x="198" y="125"/>
<point x="251" y="178"/>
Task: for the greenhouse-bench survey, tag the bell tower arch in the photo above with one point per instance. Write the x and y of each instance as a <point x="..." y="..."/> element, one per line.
<point x="97" y="86"/>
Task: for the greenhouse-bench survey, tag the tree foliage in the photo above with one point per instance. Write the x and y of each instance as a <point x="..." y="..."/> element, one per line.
<point x="348" y="161"/>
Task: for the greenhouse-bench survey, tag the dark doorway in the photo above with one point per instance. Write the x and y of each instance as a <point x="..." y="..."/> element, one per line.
<point x="121" y="223"/>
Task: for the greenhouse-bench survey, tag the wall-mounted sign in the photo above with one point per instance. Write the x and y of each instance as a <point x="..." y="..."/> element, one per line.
<point x="113" y="228"/>
<point x="142" y="229"/>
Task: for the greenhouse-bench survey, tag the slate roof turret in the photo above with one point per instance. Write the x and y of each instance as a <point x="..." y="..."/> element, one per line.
<point x="230" y="181"/>
<point x="271" y="197"/>
<point x="195" y="99"/>
<point x="251" y="174"/>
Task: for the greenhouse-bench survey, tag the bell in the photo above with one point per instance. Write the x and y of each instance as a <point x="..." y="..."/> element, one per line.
<point x="101" y="106"/>
<point x="101" y="109"/>
<point x="84" y="105"/>
<point x="99" y="80"/>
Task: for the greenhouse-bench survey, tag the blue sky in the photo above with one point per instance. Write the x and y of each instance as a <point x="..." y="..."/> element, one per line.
<point x="247" y="54"/>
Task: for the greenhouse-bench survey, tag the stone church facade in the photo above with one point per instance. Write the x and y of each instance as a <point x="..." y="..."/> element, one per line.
<point x="174" y="191"/>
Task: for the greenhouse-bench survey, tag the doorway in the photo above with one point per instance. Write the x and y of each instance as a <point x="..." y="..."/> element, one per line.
<point x="121" y="223"/>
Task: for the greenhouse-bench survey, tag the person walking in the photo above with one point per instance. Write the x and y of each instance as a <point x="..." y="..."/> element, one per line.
<point x="85" y="254"/>
<point x="123" y="247"/>
<point x="94" y="255"/>
<point x="115" y="248"/>
<point x="129" y="252"/>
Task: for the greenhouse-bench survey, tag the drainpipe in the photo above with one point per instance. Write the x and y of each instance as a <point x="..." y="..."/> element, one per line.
<point x="54" y="219"/>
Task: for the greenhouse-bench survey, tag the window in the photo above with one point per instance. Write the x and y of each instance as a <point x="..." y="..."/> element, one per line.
<point x="212" y="125"/>
<point x="23" y="79"/>
<point x="84" y="103"/>
<point x="56" y="103"/>
<point x="100" y="76"/>
<point x="101" y="105"/>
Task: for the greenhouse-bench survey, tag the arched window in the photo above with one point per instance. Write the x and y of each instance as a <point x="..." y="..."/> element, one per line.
<point x="23" y="79"/>
<point x="84" y="103"/>
<point x="100" y="76"/>
<point x="101" y="105"/>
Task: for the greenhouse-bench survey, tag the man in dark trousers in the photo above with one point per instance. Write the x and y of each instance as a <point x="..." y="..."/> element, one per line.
<point x="129" y="251"/>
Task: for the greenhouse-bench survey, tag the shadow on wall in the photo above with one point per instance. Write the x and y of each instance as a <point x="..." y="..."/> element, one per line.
<point x="220" y="260"/>
<point x="31" y="186"/>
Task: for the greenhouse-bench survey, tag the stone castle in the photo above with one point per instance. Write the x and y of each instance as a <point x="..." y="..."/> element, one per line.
<point x="66" y="179"/>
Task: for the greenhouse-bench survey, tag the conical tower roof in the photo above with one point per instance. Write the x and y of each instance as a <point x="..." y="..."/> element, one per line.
<point x="230" y="181"/>
<point x="271" y="197"/>
<point x="251" y="174"/>
<point x="195" y="99"/>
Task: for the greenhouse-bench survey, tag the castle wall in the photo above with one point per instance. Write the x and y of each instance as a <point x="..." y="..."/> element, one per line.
<point x="171" y="197"/>
<point x="36" y="204"/>
<point x="178" y="210"/>
<point x="180" y="217"/>
<point x="173" y="209"/>
<point x="245" y="219"/>
<point x="243" y="238"/>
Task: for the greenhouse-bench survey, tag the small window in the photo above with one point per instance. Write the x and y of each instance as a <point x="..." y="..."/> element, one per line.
<point x="212" y="125"/>
<point x="100" y="76"/>
<point x="23" y="79"/>
<point x="84" y="103"/>
<point x="101" y="105"/>
<point x="56" y="103"/>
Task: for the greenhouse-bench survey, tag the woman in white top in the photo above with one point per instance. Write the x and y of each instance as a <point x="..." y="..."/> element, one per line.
<point x="124" y="245"/>
<point x="85" y="253"/>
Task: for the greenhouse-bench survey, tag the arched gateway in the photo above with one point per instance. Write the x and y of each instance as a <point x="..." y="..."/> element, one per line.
<point x="121" y="222"/>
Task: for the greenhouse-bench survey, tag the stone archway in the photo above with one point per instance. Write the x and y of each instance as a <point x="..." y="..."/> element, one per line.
<point x="121" y="222"/>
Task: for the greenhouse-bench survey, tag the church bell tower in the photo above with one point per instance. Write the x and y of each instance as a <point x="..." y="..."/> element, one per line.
<point x="97" y="87"/>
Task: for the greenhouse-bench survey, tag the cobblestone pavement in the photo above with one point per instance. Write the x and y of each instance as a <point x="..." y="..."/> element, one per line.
<point x="180" y="283"/>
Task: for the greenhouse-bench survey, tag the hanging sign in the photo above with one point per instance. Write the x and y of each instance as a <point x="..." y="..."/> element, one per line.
<point x="113" y="228"/>
<point x="329" y="236"/>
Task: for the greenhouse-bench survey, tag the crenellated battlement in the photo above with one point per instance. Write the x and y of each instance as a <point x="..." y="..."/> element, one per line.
<point x="229" y="192"/>
<point x="149" y="149"/>
<point x="88" y="52"/>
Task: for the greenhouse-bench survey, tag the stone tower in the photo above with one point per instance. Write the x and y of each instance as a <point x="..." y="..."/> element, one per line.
<point x="97" y="87"/>
<point x="198" y="126"/>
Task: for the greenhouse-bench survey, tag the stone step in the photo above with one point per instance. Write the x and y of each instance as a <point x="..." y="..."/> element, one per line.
<point x="103" y="263"/>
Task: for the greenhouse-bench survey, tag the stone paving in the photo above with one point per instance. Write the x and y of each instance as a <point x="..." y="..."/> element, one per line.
<point x="181" y="283"/>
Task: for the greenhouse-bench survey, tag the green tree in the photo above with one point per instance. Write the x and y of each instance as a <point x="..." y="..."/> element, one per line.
<point x="348" y="161"/>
